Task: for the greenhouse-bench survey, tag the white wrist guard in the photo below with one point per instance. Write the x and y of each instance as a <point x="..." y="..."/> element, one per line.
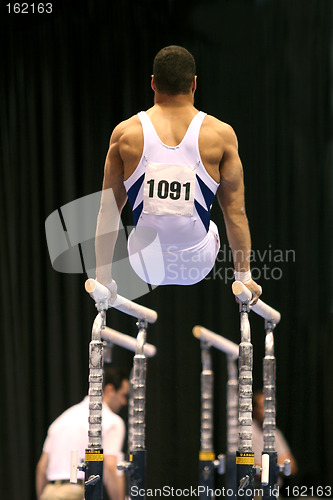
<point x="112" y="287"/>
<point x="243" y="277"/>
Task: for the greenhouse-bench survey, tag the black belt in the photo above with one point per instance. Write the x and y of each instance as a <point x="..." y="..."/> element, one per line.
<point x="66" y="481"/>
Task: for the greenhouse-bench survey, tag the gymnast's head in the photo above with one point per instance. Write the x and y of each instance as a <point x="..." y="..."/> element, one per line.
<point x="174" y="71"/>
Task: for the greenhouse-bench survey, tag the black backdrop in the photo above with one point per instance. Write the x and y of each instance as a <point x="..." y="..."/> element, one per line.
<point x="67" y="79"/>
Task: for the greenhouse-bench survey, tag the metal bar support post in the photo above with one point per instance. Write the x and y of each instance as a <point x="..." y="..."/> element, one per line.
<point x="206" y="455"/>
<point x="270" y="466"/>
<point x="93" y="466"/>
<point x="94" y="453"/>
<point x="136" y="466"/>
<point x="232" y="425"/>
<point x="272" y="318"/>
<point x="208" y="339"/>
<point x="244" y="454"/>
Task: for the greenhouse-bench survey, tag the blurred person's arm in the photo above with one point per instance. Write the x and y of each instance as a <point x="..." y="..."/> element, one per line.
<point x="284" y="452"/>
<point x="114" y="483"/>
<point x="41" y="480"/>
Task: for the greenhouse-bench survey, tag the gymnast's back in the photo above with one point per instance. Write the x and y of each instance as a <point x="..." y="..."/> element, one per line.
<point x="171" y="124"/>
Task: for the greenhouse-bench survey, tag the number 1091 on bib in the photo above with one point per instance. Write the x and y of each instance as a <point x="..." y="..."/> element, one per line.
<point x="173" y="189"/>
<point x="169" y="189"/>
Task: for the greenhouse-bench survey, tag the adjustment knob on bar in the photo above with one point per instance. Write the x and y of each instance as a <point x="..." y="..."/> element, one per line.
<point x="244" y="482"/>
<point x="93" y="480"/>
<point x="220" y="464"/>
<point x="124" y="466"/>
<point x="286" y="468"/>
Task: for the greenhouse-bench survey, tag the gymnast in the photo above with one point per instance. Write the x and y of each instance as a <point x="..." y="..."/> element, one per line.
<point x="169" y="162"/>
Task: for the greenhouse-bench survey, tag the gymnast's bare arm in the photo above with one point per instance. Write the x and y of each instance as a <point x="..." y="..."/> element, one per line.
<point x="123" y="156"/>
<point x="112" y="203"/>
<point x="230" y="195"/>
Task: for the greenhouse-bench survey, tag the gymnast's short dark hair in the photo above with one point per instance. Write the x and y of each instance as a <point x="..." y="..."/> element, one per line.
<point x="113" y="375"/>
<point x="174" y="70"/>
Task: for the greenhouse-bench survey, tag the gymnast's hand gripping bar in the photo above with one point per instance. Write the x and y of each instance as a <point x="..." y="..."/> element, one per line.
<point x="260" y="308"/>
<point x="101" y="293"/>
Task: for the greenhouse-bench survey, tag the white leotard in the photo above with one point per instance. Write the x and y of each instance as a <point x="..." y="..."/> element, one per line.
<point x="171" y="193"/>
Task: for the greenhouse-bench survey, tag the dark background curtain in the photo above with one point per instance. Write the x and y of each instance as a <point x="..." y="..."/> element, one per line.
<point x="67" y="79"/>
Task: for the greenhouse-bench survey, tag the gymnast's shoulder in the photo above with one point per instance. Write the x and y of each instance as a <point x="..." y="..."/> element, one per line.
<point x="215" y="130"/>
<point x="219" y="126"/>
<point x="127" y="128"/>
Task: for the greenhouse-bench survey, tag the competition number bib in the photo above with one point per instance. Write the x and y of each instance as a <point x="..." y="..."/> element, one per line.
<point x="168" y="189"/>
